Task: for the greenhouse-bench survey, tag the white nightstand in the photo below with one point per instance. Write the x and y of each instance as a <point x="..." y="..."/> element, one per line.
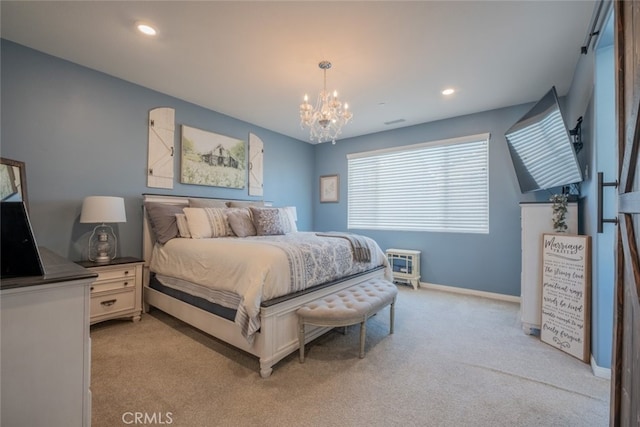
<point x="117" y="292"/>
<point x="405" y="264"/>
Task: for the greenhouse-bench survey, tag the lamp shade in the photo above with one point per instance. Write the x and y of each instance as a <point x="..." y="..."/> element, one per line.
<point x="103" y="209"/>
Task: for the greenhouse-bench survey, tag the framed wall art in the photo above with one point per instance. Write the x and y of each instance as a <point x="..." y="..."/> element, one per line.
<point x="329" y="188"/>
<point x="212" y="159"/>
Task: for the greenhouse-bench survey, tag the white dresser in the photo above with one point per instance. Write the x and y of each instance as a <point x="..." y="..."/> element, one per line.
<point x="536" y="219"/>
<point x="45" y="346"/>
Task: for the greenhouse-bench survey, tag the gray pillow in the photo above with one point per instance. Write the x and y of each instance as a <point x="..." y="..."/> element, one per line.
<point x="240" y="221"/>
<point x="162" y="218"/>
<point x="207" y="203"/>
<point x="269" y="221"/>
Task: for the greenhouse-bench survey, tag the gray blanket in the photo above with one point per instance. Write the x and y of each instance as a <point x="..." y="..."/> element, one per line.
<point x="361" y="252"/>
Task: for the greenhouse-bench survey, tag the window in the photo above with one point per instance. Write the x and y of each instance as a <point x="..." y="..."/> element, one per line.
<point x="434" y="186"/>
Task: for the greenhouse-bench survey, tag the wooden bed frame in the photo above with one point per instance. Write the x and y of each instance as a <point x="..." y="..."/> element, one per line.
<point x="278" y="335"/>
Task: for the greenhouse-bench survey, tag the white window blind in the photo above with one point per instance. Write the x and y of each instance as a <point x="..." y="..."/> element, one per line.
<point x="434" y="186"/>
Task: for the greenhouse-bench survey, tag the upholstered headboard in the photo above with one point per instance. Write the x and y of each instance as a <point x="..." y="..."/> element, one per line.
<point x="148" y="238"/>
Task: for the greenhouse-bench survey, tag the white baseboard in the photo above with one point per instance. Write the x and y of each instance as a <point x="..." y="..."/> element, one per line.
<point x="465" y="291"/>
<point x="599" y="371"/>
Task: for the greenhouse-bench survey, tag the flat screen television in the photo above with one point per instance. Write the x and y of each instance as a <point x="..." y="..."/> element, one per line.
<point x="541" y="148"/>
<point x="19" y="255"/>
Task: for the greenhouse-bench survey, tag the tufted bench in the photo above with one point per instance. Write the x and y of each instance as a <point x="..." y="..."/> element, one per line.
<point x="348" y="307"/>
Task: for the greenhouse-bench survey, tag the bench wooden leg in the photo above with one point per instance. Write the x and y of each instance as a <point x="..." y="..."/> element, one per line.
<point x="301" y="340"/>
<point x="392" y="316"/>
<point x="363" y="334"/>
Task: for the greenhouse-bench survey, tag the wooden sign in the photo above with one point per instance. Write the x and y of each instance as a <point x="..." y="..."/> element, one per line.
<point x="566" y="293"/>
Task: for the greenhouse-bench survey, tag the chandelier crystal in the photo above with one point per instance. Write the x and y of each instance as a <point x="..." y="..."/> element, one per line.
<point x="325" y="121"/>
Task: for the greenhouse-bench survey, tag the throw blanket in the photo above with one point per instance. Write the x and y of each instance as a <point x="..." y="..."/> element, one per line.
<point x="361" y="252"/>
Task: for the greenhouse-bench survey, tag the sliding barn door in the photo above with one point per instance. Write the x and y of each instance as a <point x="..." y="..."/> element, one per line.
<point x="625" y="385"/>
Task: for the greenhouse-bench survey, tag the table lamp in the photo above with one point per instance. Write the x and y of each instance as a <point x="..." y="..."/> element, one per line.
<point x="102" y="210"/>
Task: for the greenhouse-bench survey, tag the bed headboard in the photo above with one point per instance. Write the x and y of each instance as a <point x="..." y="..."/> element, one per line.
<point x="148" y="240"/>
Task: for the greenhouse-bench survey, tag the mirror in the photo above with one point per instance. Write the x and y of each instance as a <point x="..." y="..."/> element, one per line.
<point x="13" y="181"/>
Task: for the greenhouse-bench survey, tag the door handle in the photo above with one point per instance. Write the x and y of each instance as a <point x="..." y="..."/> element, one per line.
<point x="601" y="185"/>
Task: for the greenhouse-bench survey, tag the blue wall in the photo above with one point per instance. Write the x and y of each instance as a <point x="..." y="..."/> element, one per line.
<point x="602" y="132"/>
<point x="487" y="262"/>
<point x="82" y="133"/>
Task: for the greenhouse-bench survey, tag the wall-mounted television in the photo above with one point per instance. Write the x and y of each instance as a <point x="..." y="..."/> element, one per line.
<point x="541" y="148"/>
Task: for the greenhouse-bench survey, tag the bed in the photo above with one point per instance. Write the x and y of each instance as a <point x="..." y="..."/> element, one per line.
<point x="244" y="287"/>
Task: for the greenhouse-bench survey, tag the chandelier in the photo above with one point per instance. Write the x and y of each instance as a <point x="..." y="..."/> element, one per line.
<point x="325" y="121"/>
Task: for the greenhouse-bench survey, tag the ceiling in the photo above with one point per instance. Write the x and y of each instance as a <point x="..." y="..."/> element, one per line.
<point x="255" y="60"/>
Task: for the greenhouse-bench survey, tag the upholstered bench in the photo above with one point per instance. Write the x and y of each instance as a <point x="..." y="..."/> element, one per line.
<point x="348" y="307"/>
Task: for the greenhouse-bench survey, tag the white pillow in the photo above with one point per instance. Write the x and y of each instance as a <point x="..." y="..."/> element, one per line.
<point x="207" y="222"/>
<point x="290" y="218"/>
<point x="183" y="225"/>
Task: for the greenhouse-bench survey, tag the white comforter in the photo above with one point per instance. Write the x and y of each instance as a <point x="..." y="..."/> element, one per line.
<point x="261" y="268"/>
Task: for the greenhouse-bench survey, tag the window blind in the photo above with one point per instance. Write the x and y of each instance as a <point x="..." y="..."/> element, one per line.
<point x="434" y="186"/>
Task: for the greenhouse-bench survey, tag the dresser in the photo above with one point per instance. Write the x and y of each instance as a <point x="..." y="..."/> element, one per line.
<point x="117" y="292"/>
<point x="45" y="349"/>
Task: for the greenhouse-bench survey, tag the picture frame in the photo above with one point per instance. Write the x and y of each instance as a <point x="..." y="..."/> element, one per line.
<point x="212" y="159"/>
<point x="329" y="189"/>
<point x="13" y="181"/>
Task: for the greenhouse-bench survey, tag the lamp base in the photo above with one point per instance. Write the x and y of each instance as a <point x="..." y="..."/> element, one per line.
<point x="102" y="244"/>
<point x="102" y="259"/>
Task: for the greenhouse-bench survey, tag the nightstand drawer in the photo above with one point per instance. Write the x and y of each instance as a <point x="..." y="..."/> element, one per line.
<point x="115" y="273"/>
<point x="113" y="285"/>
<point x="113" y="302"/>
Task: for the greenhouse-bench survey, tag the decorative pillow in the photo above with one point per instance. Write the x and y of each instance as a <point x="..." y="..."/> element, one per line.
<point x="207" y="203"/>
<point x="244" y="203"/>
<point x="207" y="222"/>
<point x="162" y="218"/>
<point x="269" y="221"/>
<point x="240" y="221"/>
<point x="183" y="225"/>
<point x="290" y="217"/>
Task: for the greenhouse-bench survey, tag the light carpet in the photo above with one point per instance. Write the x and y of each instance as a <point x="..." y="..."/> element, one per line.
<point x="454" y="360"/>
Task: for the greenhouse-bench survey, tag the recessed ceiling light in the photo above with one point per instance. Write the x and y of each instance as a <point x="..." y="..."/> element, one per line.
<point x="145" y="28"/>
<point x="448" y="91"/>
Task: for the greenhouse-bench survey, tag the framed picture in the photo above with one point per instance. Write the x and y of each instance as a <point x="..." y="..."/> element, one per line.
<point x="329" y="188"/>
<point x="212" y="159"/>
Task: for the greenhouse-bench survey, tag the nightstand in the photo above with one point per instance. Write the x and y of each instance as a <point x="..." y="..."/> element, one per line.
<point x="117" y="292"/>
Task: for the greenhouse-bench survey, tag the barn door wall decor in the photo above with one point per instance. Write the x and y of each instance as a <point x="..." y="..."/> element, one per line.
<point x="212" y="159"/>
<point x="161" y="148"/>
<point x="256" y="161"/>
